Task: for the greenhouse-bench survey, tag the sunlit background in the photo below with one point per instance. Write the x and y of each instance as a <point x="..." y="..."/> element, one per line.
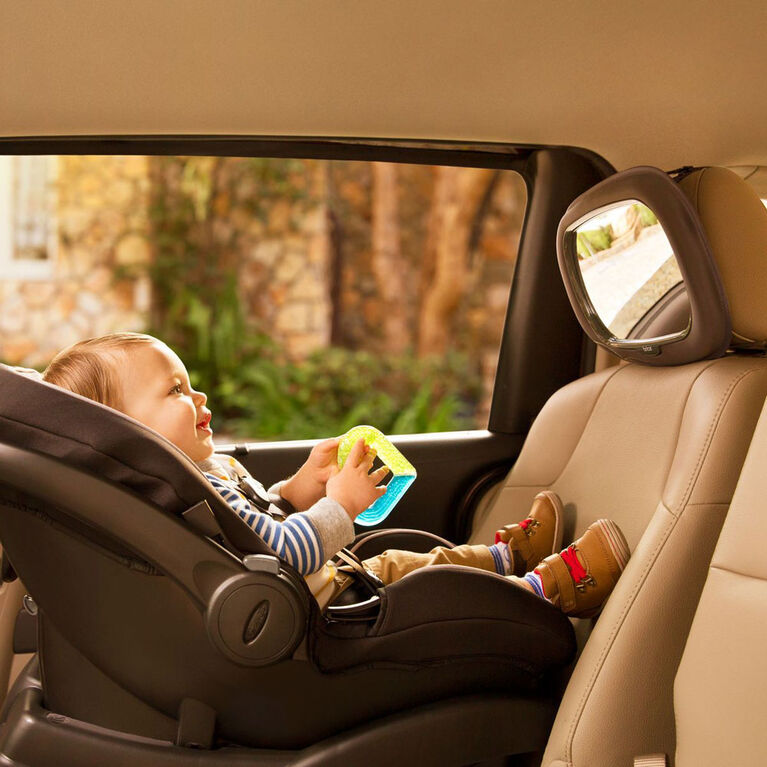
<point x="304" y="296"/>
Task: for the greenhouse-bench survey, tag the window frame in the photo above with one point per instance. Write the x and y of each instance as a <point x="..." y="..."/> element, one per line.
<point x="530" y="368"/>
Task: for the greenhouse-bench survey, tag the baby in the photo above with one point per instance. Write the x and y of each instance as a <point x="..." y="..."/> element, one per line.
<point x="143" y="378"/>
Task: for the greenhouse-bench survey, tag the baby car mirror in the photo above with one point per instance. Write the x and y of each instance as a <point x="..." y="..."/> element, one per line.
<point x="631" y="248"/>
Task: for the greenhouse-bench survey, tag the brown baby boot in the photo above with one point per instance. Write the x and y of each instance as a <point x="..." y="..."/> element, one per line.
<point x="579" y="579"/>
<point x="536" y="537"/>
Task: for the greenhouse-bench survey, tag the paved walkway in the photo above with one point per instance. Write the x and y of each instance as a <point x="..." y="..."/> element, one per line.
<point x="615" y="279"/>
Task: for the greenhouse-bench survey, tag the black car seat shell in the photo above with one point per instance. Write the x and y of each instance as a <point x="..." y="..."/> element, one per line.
<point x="138" y="612"/>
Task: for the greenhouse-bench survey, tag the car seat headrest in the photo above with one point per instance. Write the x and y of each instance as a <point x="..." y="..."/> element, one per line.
<point x="38" y="416"/>
<point x="735" y="221"/>
<point x="43" y="418"/>
<point x="640" y="272"/>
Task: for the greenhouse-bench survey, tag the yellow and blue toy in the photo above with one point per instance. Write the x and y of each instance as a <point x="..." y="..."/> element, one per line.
<point x="403" y="472"/>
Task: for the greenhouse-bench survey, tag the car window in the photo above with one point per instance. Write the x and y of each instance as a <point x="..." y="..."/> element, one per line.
<point x="305" y="296"/>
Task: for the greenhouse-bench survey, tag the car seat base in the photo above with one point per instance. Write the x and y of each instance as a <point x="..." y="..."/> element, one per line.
<point x="453" y="732"/>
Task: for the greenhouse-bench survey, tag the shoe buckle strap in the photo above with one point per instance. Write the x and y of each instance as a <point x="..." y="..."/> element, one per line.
<point x="581" y="577"/>
<point x="520" y="538"/>
<point x="563" y="579"/>
<point x="587" y="580"/>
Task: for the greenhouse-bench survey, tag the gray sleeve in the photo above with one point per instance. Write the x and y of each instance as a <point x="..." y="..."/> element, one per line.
<point x="276" y="487"/>
<point x="332" y="524"/>
<point x="275" y="496"/>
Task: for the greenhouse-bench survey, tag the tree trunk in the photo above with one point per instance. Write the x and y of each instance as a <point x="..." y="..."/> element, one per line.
<point x="335" y="262"/>
<point x="387" y="261"/>
<point x="458" y="194"/>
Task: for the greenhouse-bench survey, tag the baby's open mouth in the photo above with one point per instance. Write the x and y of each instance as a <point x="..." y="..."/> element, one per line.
<point x="205" y="423"/>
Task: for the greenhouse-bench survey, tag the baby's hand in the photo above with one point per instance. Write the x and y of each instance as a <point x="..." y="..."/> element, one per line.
<point x="354" y="486"/>
<point x="307" y="485"/>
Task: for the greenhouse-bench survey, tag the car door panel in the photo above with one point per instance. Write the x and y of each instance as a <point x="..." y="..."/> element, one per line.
<point x="449" y="465"/>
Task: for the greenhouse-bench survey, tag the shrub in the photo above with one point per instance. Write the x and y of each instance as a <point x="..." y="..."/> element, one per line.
<point x="646" y="216"/>
<point x="268" y="396"/>
<point x="593" y="240"/>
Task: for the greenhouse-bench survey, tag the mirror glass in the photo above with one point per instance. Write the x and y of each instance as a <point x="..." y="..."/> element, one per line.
<point x="627" y="265"/>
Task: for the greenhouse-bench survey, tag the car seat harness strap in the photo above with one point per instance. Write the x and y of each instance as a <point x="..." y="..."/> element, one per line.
<point x="353" y="565"/>
<point x="196" y="724"/>
<point x="201" y="518"/>
<point x="255" y="492"/>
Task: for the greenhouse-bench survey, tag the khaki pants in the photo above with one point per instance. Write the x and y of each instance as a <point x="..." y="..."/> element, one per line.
<point x="395" y="564"/>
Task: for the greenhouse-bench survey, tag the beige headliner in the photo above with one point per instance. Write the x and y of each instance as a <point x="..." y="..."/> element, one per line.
<point x="666" y="82"/>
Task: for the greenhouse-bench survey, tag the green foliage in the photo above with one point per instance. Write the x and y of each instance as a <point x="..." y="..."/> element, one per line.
<point x="254" y="391"/>
<point x="646" y="216"/>
<point x="196" y="307"/>
<point x="593" y="240"/>
<point x="268" y="396"/>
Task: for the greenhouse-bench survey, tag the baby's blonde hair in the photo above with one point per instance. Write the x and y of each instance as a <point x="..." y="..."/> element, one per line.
<point x="89" y="368"/>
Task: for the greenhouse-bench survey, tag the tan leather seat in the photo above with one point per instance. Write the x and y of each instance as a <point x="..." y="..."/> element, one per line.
<point x="720" y="695"/>
<point x="658" y="450"/>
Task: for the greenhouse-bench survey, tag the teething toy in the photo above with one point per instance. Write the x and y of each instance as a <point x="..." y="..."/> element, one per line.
<point x="403" y="472"/>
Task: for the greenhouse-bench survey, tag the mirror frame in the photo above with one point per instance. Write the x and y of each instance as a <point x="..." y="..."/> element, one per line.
<point x="709" y="330"/>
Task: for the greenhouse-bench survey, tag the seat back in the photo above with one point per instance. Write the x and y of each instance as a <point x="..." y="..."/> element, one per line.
<point x="720" y="695"/>
<point x="659" y="451"/>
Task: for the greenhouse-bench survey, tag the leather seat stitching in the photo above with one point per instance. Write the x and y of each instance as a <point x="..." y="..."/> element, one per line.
<point x="739" y="573"/>
<point x="588" y="689"/>
<point x="706" y="446"/>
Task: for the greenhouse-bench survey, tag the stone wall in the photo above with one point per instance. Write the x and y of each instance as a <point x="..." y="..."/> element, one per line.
<point x="101" y="210"/>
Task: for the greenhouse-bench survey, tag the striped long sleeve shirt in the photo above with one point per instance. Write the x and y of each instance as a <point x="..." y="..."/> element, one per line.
<point x="306" y="539"/>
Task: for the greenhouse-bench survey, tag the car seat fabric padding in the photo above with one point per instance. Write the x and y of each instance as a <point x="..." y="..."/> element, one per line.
<point x="41" y="417"/>
<point x="447" y="613"/>
<point x="38" y="416"/>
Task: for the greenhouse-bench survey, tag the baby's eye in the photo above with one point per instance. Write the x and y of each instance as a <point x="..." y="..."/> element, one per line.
<point x="176" y="389"/>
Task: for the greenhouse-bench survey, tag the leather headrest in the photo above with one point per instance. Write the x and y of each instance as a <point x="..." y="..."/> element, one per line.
<point x="735" y="222"/>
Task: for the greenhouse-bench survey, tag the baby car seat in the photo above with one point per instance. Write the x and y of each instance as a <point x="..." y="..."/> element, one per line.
<point x="164" y="622"/>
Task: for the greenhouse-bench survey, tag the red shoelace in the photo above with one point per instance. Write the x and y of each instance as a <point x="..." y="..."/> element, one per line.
<point x="576" y="569"/>
<point x="524" y="524"/>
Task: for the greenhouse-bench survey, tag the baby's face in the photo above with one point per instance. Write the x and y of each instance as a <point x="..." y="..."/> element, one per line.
<point x="156" y="391"/>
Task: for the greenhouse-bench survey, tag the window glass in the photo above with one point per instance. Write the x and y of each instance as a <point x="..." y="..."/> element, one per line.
<point x="304" y="296"/>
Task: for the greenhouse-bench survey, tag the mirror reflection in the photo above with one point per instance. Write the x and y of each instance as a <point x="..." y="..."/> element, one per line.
<point x="627" y="264"/>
